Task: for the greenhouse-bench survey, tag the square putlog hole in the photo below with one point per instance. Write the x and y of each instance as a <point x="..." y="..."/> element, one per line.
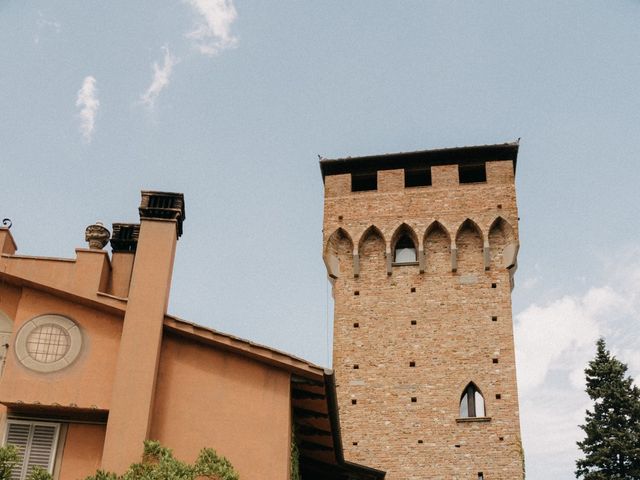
<point x="356" y="367"/>
<point x="412" y="364"/>
<point x="414" y="322"/>
<point x="494" y="319"/>
<point x="495" y="360"/>
<point x="356" y="292"/>
<point x="414" y="399"/>
<point x="354" y="401"/>
<point x="413" y="289"/>
<point x="498" y="396"/>
<point x="355" y="444"/>
<point x="494" y="285"/>
<point x="356" y="325"/>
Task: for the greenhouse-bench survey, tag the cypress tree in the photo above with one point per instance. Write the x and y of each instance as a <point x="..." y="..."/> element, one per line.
<point x="611" y="446"/>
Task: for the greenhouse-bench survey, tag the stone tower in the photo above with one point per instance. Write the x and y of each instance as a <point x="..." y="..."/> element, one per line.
<point x="421" y="249"/>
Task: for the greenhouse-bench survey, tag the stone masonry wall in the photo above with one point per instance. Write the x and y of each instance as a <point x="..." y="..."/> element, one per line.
<point x="407" y="344"/>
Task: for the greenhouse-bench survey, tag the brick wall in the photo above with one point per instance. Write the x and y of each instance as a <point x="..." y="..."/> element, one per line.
<point x="407" y="343"/>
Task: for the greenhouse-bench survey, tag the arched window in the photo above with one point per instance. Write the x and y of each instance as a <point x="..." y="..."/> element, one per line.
<point x="405" y="251"/>
<point x="471" y="402"/>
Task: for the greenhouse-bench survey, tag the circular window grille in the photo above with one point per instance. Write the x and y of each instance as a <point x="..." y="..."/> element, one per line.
<point x="48" y="343"/>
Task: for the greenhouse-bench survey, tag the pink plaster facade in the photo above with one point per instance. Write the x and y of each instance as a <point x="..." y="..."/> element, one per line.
<point x="139" y="374"/>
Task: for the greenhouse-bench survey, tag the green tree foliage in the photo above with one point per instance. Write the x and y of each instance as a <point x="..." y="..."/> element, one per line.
<point x="158" y="463"/>
<point x="10" y="458"/>
<point x="611" y="446"/>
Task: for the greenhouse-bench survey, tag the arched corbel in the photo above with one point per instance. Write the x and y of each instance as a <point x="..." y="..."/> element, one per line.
<point x="454" y="256"/>
<point x="356" y="264"/>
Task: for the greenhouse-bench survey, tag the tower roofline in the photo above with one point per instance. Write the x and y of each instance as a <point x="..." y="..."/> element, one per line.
<point x="421" y="158"/>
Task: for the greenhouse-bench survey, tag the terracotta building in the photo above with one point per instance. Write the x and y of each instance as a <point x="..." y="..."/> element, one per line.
<point x="92" y="365"/>
<point x="421" y="250"/>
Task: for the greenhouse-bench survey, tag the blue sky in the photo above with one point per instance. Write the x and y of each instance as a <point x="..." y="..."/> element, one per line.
<point x="230" y="102"/>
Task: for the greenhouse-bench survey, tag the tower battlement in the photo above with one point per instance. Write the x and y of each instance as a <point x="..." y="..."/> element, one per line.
<point x="421" y="249"/>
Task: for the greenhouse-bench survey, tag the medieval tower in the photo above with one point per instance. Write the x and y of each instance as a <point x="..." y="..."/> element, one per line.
<point x="421" y="250"/>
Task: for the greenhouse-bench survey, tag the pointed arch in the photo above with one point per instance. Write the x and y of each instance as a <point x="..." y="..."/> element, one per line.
<point x="502" y="244"/>
<point x="469" y="248"/>
<point x="371" y="230"/>
<point x="371" y="251"/>
<point x="472" y="402"/>
<point x="338" y="253"/>
<point x="404" y="245"/>
<point x="437" y="248"/>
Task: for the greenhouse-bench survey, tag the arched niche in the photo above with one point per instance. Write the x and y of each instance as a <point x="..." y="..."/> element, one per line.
<point x="404" y="245"/>
<point x="338" y="254"/>
<point x="502" y="244"/>
<point x="371" y="251"/>
<point x="437" y="249"/>
<point x="469" y="248"/>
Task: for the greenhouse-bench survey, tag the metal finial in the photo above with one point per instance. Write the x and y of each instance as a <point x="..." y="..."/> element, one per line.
<point x="6" y="222"/>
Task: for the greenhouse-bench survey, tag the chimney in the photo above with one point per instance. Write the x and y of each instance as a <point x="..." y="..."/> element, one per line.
<point x="161" y="218"/>
<point x="124" y="242"/>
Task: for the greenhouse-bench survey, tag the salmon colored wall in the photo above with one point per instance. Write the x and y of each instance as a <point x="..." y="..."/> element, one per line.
<point x="9" y="299"/>
<point x="86" y="382"/>
<point x="82" y="452"/>
<point x="212" y="398"/>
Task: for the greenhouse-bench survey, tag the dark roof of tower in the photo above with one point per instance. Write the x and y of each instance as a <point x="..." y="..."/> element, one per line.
<point x="422" y="158"/>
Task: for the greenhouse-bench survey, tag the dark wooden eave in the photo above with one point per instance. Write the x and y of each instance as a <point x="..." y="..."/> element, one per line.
<point x="419" y="159"/>
<point x="317" y="426"/>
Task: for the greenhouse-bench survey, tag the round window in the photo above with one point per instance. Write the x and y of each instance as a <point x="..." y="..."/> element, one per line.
<point x="48" y="343"/>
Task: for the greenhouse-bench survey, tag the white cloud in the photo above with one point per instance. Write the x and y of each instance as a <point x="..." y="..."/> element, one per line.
<point x="88" y="103"/>
<point x="45" y="24"/>
<point x="212" y="33"/>
<point x="161" y="76"/>
<point x="554" y="342"/>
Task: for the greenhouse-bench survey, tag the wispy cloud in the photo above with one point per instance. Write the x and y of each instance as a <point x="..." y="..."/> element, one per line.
<point x="45" y="24"/>
<point x="88" y="103"/>
<point x="212" y="33"/>
<point x="554" y="342"/>
<point x="161" y="77"/>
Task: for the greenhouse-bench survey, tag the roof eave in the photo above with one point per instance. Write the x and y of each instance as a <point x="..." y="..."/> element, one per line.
<point x="441" y="156"/>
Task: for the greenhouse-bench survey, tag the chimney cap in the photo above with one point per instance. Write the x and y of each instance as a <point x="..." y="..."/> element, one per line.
<point x="124" y="237"/>
<point x="164" y="205"/>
